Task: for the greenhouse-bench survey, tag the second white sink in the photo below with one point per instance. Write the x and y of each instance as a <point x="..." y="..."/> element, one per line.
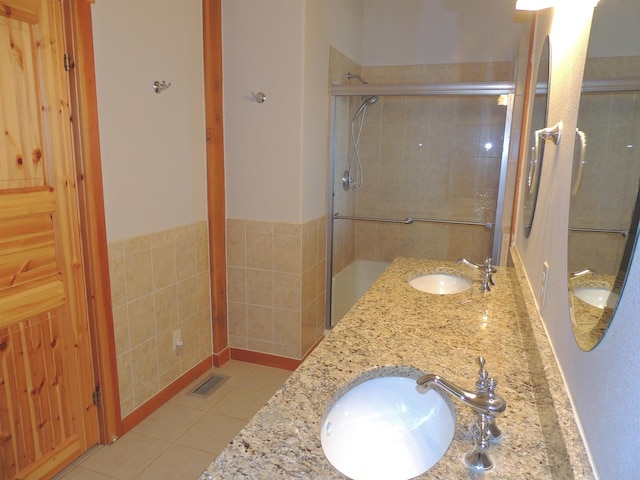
<point x="596" y="296"/>
<point x="440" y="283"/>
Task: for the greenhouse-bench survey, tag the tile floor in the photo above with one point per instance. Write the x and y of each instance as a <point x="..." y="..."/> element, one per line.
<point x="181" y="438"/>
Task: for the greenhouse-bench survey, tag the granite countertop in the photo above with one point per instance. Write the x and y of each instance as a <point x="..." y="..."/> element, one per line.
<point x="396" y="325"/>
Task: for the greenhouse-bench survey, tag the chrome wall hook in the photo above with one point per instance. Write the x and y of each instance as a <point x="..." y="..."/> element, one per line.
<point x="160" y="87"/>
<point x="260" y="97"/>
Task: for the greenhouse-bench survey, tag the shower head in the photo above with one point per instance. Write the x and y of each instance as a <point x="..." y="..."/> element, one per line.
<point x="370" y="100"/>
<point x="350" y="75"/>
<point x="367" y="101"/>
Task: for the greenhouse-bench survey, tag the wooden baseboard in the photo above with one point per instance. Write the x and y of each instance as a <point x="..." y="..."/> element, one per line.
<point x="266" y="359"/>
<point x="159" y="399"/>
<point x="222" y="357"/>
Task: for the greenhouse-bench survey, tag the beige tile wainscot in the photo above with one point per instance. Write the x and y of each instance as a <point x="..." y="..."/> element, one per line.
<point x="394" y="324"/>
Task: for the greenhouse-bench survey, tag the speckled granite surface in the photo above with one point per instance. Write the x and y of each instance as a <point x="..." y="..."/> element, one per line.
<point x="394" y="324"/>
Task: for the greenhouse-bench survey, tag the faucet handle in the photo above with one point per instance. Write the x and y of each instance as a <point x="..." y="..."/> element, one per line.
<point x="494" y="430"/>
<point x="481" y="384"/>
<point x="488" y="267"/>
<point x="492" y="383"/>
<point x="482" y="372"/>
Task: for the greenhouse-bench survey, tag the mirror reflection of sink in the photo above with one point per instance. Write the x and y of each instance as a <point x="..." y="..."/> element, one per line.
<point x="440" y="283"/>
<point x="387" y="428"/>
<point x="599" y="297"/>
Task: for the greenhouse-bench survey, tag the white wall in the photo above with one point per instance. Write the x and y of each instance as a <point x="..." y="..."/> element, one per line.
<point x="315" y="118"/>
<point x="603" y="383"/>
<point x="152" y="146"/>
<point x="433" y="32"/>
<point x="345" y="28"/>
<point x="263" y="50"/>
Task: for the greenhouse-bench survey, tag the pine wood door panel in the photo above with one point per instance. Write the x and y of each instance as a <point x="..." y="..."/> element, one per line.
<point x="20" y="145"/>
<point x="32" y="392"/>
<point x="47" y="415"/>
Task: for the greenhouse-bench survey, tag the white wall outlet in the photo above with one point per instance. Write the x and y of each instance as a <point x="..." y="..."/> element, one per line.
<point x="177" y="341"/>
<point x="545" y="283"/>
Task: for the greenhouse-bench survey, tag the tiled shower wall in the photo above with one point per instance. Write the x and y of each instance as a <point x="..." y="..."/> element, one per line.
<point x="159" y="284"/>
<point x="276" y="285"/>
<point x="422" y="157"/>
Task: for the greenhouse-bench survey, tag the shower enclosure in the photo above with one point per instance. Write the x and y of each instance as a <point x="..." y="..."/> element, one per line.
<point x="417" y="171"/>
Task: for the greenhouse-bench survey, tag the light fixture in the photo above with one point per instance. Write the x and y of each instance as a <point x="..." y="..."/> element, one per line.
<point x="533" y="5"/>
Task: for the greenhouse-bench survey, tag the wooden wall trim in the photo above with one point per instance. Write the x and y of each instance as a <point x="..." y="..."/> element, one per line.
<point x="89" y="171"/>
<point x="266" y="359"/>
<point x="212" y="52"/>
<point x="221" y="357"/>
<point x="524" y="133"/>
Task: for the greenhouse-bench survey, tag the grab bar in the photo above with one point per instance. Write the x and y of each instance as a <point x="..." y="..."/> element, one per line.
<point x="624" y="233"/>
<point x="407" y="220"/>
<point x="410" y="220"/>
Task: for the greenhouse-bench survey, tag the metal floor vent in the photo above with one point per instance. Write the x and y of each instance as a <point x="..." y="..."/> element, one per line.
<point x="209" y="385"/>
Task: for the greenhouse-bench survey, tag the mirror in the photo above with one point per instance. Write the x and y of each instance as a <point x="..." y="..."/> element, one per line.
<point x="604" y="207"/>
<point x="536" y="144"/>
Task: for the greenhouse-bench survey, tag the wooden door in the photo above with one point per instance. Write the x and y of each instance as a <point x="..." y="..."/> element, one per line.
<point x="47" y="413"/>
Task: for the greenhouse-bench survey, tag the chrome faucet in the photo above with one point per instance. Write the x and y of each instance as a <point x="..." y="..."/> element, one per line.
<point x="485" y="402"/>
<point x="487" y="271"/>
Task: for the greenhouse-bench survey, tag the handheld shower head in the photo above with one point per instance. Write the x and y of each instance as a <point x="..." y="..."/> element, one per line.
<point x="371" y="100"/>
<point x="367" y="101"/>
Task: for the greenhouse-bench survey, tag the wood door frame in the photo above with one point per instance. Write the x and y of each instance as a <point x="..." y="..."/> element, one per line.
<point x="86" y="139"/>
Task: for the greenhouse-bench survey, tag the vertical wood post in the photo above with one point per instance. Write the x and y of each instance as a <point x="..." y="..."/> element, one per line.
<point x="212" y="42"/>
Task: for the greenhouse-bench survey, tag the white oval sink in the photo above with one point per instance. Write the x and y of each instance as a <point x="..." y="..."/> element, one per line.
<point x="599" y="297"/>
<point x="385" y="428"/>
<point x="440" y="283"/>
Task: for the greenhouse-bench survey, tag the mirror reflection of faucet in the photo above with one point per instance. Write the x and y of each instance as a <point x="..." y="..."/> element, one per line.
<point x="581" y="273"/>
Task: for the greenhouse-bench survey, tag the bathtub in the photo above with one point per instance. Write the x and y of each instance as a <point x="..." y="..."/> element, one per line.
<point x="350" y="284"/>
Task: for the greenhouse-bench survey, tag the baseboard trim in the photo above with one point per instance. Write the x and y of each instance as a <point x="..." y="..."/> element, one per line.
<point x="222" y="357"/>
<point x="266" y="359"/>
<point x="269" y="359"/>
<point x="164" y="395"/>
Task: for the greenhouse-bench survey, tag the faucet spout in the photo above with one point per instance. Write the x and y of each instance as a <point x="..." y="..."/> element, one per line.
<point x="470" y="264"/>
<point x="487" y="403"/>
